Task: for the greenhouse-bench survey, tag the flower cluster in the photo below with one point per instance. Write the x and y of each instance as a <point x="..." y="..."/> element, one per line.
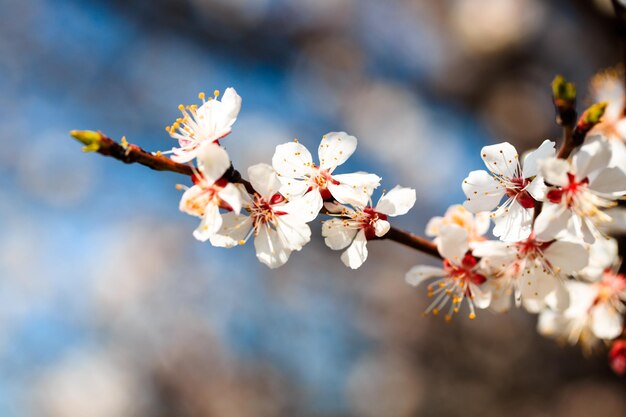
<point x="282" y="198"/>
<point x="551" y="214"/>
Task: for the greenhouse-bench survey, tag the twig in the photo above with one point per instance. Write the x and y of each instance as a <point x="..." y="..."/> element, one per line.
<point x="131" y="154"/>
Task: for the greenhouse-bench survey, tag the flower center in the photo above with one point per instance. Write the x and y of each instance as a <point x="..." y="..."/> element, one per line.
<point x="368" y="219"/>
<point x="516" y="188"/>
<point x="320" y="180"/>
<point x="262" y="211"/>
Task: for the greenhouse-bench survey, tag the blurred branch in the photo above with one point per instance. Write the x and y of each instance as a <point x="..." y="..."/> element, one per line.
<point x="564" y="99"/>
<point x="590" y="117"/>
<point x="133" y="154"/>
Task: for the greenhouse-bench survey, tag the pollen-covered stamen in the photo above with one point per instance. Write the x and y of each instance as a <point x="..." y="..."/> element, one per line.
<point x="516" y="188"/>
<point x="192" y="129"/>
<point x="209" y="194"/>
<point x="577" y="196"/>
<point x="612" y="290"/>
<point x="264" y="212"/>
<point x="455" y="287"/>
<point x="368" y="218"/>
<point x="320" y="178"/>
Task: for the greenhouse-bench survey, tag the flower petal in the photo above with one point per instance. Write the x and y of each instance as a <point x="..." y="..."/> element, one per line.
<point x="554" y="171"/>
<point x="235" y="228"/>
<point x="452" y="243"/>
<point x="355" y="189"/>
<point x="483" y="191"/>
<point x="213" y="161"/>
<point x="210" y="223"/>
<point x="292" y="160"/>
<point x="593" y="155"/>
<point x="610" y="182"/>
<point x="231" y="194"/>
<point x="552" y="220"/>
<point x="421" y="273"/>
<point x="381" y="227"/>
<point x="396" y="202"/>
<point x="606" y="322"/>
<point x="356" y="253"/>
<point x="501" y="159"/>
<point x="264" y="180"/>
<point x="305" y="208"/>
<point x="335" y="148"/>
<point x="338" y="234"/>
<point x="269" y="248"/>
<point x="566" y="257"/>
<point x="512" y="223"/>
<point x="530" y="166"/>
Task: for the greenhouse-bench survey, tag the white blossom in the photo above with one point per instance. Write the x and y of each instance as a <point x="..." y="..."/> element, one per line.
<point x="579" y="190"/>
<point x="279" y="225"/>
<point x="210" y="191"/>
<point x="356" y="226"/>
<point x="475" y="224"/>
<point x="299" y="175"/>
<point x="530" y="270"/>
<point x="459" y="279"/>
<point x="208" y="123"/>
<point x="521" y="184"/>
<point x="595" y="312"/>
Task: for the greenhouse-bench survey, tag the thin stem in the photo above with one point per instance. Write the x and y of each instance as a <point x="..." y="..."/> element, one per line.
<point x="133" y="154"/>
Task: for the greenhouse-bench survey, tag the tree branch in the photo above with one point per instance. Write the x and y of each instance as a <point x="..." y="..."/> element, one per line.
<point x="133" y="154"/>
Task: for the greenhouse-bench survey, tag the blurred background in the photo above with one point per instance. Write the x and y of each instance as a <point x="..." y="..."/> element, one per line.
<point x="109" y="307"/>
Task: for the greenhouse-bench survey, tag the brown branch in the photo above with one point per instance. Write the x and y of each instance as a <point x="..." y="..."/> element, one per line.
<point x="413" y="241"/>
<point x="133" y="154"/>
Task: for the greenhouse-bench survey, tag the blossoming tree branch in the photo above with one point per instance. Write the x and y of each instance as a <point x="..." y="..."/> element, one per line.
<point x="552" y="212"/>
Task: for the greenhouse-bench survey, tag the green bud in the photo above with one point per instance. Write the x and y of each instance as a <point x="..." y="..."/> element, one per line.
<point x="562" y="90"/>
<point x="594" y="113"/>
<point x="89" y="138"/>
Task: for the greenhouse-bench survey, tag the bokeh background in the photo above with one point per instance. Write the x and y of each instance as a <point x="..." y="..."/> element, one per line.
<point x="110" y="308"/>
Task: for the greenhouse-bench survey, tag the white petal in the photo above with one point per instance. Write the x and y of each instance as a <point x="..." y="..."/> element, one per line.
<point x="235" y="228"/>
<point x="481" y="295"/>
<point x="530" y="166"/>
<point x="606" y="322"/>
<point x="381" y="227"/>
<point x="537" y="188"/>
<point x="512" y="223"/>
<point x="559" y="299"/>
<point x="337" y="235"/>
<point x="396" y="202"/>
<point x="292" y="188"/>
<point x="483" y="191"/>
<point x="292" y="160"/>
<point x="355" y="189"/>
<point x="305" y="208"/>
<point x="482" y="223"/>
<point x="501" y="300"/>
<point x="356" y="253"/>
<point x="551" y="221"/>
<point x="567" y="257"/>
<point x="609" y="181"/>
<point x="232" y="196"/>
<point x="269" y="249"/>
<point x="264" y="180"/>
<point x="193" y="201"/>
<point x="452" y="243"/>
<point x="501" y="159"/>
<point x="603" y="253"/>
<point x="535" y="284"/>
<point x="433" y="226"/>
<point x="593" y="155"/>
<point x="554" y="171"/>
<point x="210" y="224"/>
<point x="213" y="161"/>
<point x="494" y="249"/>
<point x="421" y="273"/>
<point x="335" y="148"/>
<point x="231" y="103"/>
<point x="293" y="232"/>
